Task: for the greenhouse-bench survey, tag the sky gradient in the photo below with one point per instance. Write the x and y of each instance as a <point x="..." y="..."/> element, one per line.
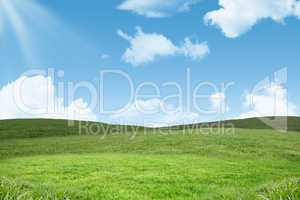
<point x="219" y="41"/>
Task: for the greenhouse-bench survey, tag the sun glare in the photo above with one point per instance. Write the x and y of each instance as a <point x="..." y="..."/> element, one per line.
<point x="32" y="25"/>
<point x="11" y="16"/>
<point x="24" y="17"/>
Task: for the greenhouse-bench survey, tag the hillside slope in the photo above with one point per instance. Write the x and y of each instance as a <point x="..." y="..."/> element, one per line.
<point x="249" y="164"/>
<point x="293" y="123"/>
<point x="30" y="128"/>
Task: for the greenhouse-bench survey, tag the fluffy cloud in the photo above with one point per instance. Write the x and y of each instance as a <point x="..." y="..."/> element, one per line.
<point x="146" y="47"/>
<point x="271" y="101"/>
<point x="154" y="113"/>
<point x="156" y="8"/>
<point x="196" y="51"/>
<point x="297" y="9"/>
<point x="236" y="17"/>
<point x="35" y="97"/>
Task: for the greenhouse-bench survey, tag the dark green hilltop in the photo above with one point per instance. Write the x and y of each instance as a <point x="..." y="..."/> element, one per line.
<point x="30" y="128"/>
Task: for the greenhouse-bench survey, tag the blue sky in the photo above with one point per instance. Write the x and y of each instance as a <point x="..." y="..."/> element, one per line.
<point x="228" y="42"/>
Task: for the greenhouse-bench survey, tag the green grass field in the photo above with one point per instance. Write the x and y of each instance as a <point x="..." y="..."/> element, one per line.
<point x="45" y="159"/>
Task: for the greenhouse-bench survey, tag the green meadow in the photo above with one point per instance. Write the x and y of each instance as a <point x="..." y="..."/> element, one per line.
<point x="47" y="159"/>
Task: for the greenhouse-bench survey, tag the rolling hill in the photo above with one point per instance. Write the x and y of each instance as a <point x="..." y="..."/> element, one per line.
<point x="291" y="123"/>
<point x="29" y="128"/>
<point x="47" y="159"/>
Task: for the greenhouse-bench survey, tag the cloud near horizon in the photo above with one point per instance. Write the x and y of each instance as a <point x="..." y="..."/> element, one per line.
<point x="146" y="47"/>
<point x="218" y="103"/>
<point x="154" y="113"/>
<point x="35" y="97"/>
<point x="271" y="101"/>
<point x="235" y="17"/>
<point x="156" y="8"/>
<point x="158" y="113"/>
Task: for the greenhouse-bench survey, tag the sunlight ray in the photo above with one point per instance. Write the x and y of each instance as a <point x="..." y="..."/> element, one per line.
<point x="1" y="20"/>
<point x="1" y="23"/>
<point x="35" y="25"/>
<point x="21" y="31"/>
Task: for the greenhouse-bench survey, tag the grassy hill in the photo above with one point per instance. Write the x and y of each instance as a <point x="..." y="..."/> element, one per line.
<point x="47" y="159"/>
<point x="30" y="128"/>
<point x="291" y="123"/>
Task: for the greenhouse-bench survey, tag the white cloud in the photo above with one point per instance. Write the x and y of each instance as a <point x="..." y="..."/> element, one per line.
<point x="154" y="113"/>
<point x="297" y="9"/>
<point x="236" y="17"/>
<point x="218" y="102"/>
<point x="156" y="8"/>
<point x="146" y="47"/>
<point x="35" y="97"/>
<point x="196" y="51"/>
<point x="272" y="101"/>
<point x="157" y="113"/>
